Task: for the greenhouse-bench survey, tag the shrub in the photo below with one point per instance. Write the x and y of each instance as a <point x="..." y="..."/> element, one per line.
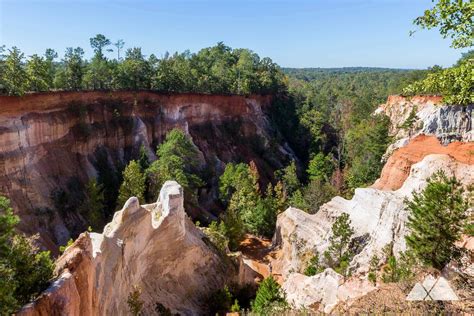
<point x="134" y="301"/>
<point x="269" y="296"/>
<point x="217" y="233"/>
<point x="314" y="267"/>
<point x="338" y="256"/>
<point x="220" y="302"/>
<point x="25" y="271"/>
<point x="436" y="219"/>
<point x="454" y="84"/>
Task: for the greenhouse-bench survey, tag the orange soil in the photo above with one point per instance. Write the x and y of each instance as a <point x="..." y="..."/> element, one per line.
<point x="259" y="255"/>
<point x="46" y="101"/>
<point x="397" y="168"/>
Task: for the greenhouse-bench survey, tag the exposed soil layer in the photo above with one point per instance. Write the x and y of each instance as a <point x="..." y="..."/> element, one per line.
<point x="397" y="168"/>
<point x="52" y="144"/>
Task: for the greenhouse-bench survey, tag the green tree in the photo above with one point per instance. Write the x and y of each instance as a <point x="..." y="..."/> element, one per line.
<point x="289" y="178"/>
<point x="338" y="255"/>
<point x="143" y="159"/>
<point x="98" y="44"/>
<point x="269" y="296"/>
<point x="133" y="183"/>
<point x="238" y="186"/>
<point x="316" y="194"/>
<point x="8" y="221"/>
<point x="314" y="266"/>
<point x="366" y="143"/>
<point x="453" y="18"/>
<point x="320" y="167"/>
<point x="314" y="120"/>
<point x="93" y="206"/>
<point x="98" y="73"/>
<point x="25" y="271"/>
<point x="49" y="56"/>
<point x="454" y="84"/>
<point x="220" y="302"/>
<point x="177" y="160"/>
<point x="14" y="76"/>
<point x="234" y="228"/>
<point x="37" y="73"/>
<point x="34" y="268"/>
<point x="217" y="233"/>
<point x="436" y="218"/>
<point x="71" y="75"/>
<point x="134" y="70"/>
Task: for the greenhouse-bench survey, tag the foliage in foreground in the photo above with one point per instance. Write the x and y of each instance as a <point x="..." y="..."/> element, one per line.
<point x="455" y="84"/>
<point x="453" y="18"/>
<point x="436" y="220"/>
<point x="270" y="298"/>
<point x="25" y="271"/>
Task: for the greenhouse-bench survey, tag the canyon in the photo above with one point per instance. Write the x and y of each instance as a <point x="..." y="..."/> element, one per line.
<point x="53" y="143"/>
<point x="157" y="247"/>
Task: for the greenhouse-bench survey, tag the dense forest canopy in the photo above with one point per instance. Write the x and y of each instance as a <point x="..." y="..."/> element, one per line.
<point x="217" y="69"/>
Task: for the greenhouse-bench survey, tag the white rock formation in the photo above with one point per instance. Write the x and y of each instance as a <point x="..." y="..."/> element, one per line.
<point x="377" y="217"/>
<point x="153" y="246"/>
<point x="447" y="122"/>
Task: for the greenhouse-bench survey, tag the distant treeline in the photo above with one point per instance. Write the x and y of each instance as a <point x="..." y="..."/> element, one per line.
<point x="217" y="69"/>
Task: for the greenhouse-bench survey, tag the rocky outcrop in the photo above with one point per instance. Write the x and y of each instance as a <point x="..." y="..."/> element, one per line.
<point x="421" y="125"/>
<point x="51" y="144"/>
<point x="155" y="247"/>
<point x="378" y="218"/>
<point x="425" y="115"/>
<point x="429" y="117"/>
<point x="397" y="167"/>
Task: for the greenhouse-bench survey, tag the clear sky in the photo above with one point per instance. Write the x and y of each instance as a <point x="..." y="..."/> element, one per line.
<point x="294" y="33"/>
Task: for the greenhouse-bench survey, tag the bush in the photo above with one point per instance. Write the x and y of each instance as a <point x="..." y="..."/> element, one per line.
<point x="270" y="297"/>
<point x="454" y="84"/>
<point x="25" y="271"/>
<point x="436" y="219"/>
<point x="338" y="256"/>
<point x="217" y="233"/>
<point x="134" y="301"/>
<point x="220" y="302"/>
<point x="314" y="266"/>
<point x="399" y="270"/>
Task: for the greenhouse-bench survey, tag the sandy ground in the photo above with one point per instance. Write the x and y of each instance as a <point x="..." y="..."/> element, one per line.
<point x="259" y="255"/>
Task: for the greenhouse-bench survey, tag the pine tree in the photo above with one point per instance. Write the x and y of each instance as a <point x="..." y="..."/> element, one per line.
<point x="177" y="160"/>
<point x="337" y="255"/>
<point x="93" y="207"/>
<point x="269" y="295"/>
<point x="289" y="179"/>
<point x="143" y="158"/>
<point x="133" y="183"/>
<point x="14" y="76"/>
<point x="436" y="220"/>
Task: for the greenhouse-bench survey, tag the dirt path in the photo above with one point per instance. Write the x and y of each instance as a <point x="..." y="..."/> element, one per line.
<point x="259" y="255"/>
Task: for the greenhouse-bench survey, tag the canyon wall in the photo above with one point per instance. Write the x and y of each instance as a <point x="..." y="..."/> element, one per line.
<point x="53" y="143"/>
<point x="439" y="138"/>
<point x="155" y="247"/>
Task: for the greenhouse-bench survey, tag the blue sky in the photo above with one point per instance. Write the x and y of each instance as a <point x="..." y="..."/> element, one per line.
<point x="317" y="33"/>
